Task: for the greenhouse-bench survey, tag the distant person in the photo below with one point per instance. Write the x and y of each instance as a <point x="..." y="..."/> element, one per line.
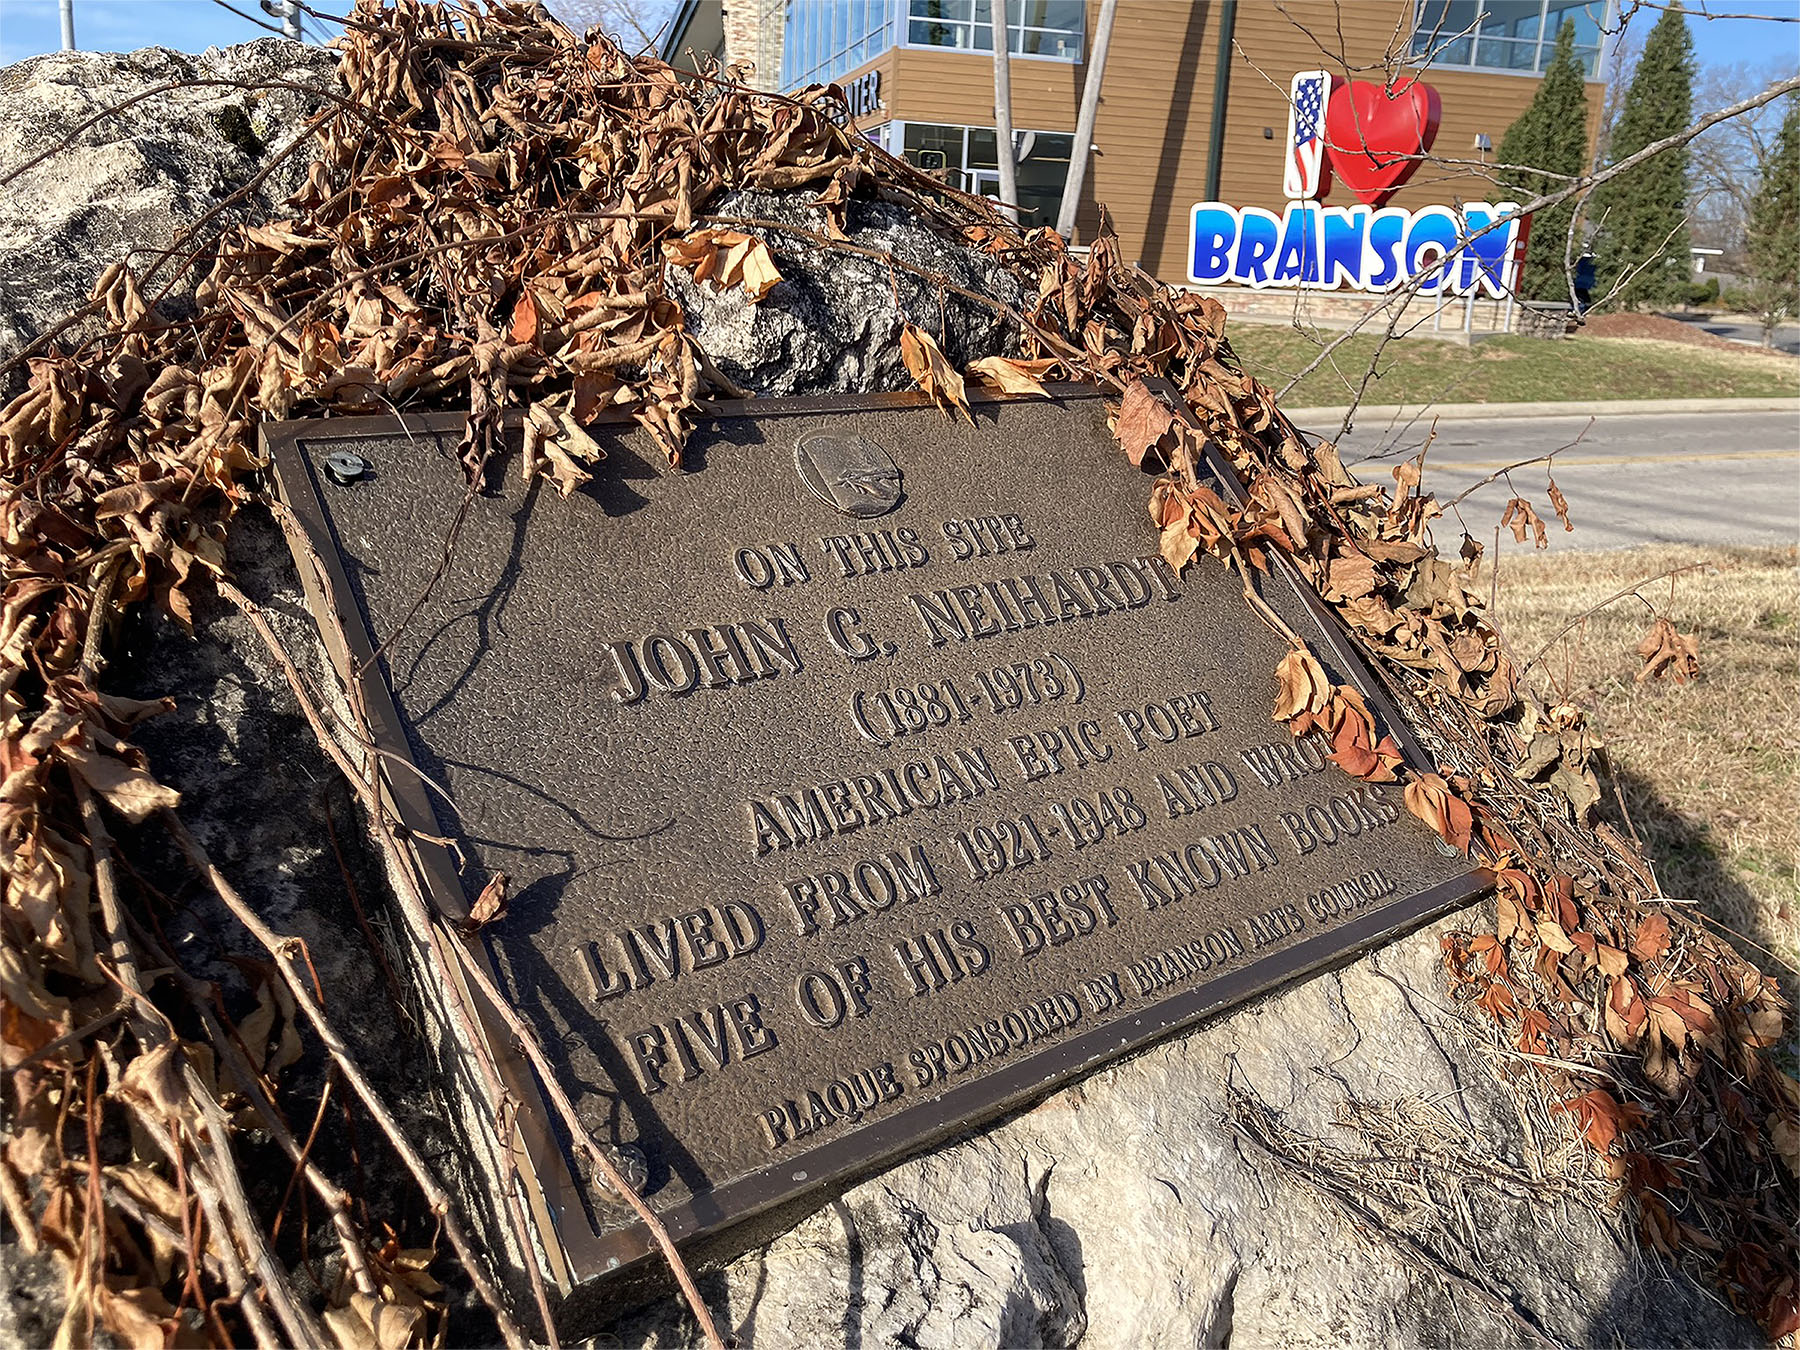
<point x="1584" y="283"/>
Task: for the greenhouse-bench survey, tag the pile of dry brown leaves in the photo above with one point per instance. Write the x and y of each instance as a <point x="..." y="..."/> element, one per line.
<point x="490" y="223"/>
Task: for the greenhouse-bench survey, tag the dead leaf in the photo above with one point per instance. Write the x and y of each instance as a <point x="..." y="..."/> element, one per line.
<point x="1667" y="652"/>
<point x="554" y="441"/>
<point x="1602" y="1117"/>
<point x="1143" y="421"/>
<point x="524" y="320"/>
<point x="726" y="258"/>
<point x="1551" y="934"/>
<point x="1652" y="938"/>
<point x="1350" y="576"/>
<point x="132" y="792"/>
<point x="490" y="905"/>
<point x="369" y="1324"/>
<point x="1431" y="798"/>
<point x="1499" y="1000"/>
<point x="1355" y="747"/>
<point x="1784" y="1134"/>
<point x="1305" y="687"/>
<point x="1011" y="376"/>
<point x="1560" y="504"/>
<point x="1522" y="519"/>
<point x="927" y="364"/>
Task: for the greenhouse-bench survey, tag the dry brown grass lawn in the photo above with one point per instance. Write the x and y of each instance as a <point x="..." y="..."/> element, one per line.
<point x="1510" y="369"/>
<point x="1710" y="770"/>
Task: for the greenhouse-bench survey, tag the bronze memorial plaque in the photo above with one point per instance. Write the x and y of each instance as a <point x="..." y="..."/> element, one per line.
<point x="868" y="776"/>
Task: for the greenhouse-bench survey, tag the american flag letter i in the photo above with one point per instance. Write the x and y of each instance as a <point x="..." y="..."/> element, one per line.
<point x="1301" y="177"/>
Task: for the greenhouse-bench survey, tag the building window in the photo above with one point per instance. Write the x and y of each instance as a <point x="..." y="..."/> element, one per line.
<point x="966" y="156"/>
<point x="823" y="39"/>
<point x="1053" y="28"/>
<point x="1516" y="35"/>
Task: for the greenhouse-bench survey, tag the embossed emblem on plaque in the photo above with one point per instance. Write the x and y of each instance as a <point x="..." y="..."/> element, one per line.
<point x="850" y="474"/>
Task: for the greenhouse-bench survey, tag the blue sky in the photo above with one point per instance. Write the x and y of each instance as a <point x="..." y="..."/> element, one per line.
<point x="28" y="27"/>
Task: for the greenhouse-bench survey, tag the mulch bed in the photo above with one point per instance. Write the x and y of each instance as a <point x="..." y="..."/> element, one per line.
<point x="1656" y="326"/>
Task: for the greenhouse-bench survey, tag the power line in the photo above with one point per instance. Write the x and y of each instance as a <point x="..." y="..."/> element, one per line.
<point x="341" y="20"/>
<point x="249" y="18"/>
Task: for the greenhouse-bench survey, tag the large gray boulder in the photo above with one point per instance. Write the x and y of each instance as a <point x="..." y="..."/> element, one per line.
<point x="1336" y="1165"/>
<point x="1342" y="1163"/>
<point x="128" y="185"/>
<point x="833" y="324"/>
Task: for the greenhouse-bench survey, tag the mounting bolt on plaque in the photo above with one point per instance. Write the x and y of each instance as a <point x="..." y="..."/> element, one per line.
<point x="346" y="468"/>
<point x="632" y="1165"/>
<point x="850" y="474"/>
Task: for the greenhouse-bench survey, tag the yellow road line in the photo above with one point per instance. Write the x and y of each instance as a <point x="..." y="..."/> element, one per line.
<point x="1573" y="462"/>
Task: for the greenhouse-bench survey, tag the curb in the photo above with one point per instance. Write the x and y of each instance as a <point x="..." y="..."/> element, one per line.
<point x="1396" y="414"/>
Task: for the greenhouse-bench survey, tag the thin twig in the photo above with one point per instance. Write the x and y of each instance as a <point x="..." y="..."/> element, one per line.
<point x="551" y="1081"/>
<point x="1545" y="458"/>
<point x="436" y="1196"/>
<point x="1369" y="1221"/>
<point x="1594" y="609"/>
<point x="335" y="1199"/>
<point x="301" y="1326"/>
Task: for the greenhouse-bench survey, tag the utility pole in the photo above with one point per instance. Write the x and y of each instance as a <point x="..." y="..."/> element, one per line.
<point x="1215" y="148"/>
<point x="289" y="14"/>
<point x="67" y="9"/>
<point x="1085" y="119"/>
<point x="1003" y="129"/>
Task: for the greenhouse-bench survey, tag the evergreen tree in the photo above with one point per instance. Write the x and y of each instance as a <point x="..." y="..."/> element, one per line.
<point x="1643" y="212"/>
<point x="1551" y="135"/>
<point x="1775" y="228"/>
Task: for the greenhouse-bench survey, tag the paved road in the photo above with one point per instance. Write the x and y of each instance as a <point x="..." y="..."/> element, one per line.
<point x="1731" y="478"/>
<point x="1787" y="336"/>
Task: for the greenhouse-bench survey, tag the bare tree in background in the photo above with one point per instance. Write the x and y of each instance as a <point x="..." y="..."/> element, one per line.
<point x="1729" y="161"/>
<point x="1625" y="45"/>
<point x="639" y="25"/>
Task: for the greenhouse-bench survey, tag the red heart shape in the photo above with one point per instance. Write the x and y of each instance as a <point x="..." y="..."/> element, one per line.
<point x="1375" y="135"/>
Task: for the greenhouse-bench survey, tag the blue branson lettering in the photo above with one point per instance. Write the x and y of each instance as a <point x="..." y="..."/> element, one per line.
<point x="1215" y="230"/>
<point x="1298" y="258"/>
<point x="1433" y="231"/>
<point x="1474" y="251"/>
<point x="1387" y="230"/>
<point x="1258" y="235"/>
<point x="1342" y="249"/>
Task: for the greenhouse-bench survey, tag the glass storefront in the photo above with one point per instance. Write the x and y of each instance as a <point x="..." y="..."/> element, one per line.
<point x="1036" y="27"/>
<point x="968" y="161"/>
<point x="1517" y="35"/>
<point x="824" y="39"/>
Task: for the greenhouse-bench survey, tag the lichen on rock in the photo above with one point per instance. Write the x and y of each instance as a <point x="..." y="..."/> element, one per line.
<point x="201" y="128"/>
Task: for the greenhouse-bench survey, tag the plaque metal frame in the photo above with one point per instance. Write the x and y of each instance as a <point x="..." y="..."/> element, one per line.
<point x="575" y="1250"/>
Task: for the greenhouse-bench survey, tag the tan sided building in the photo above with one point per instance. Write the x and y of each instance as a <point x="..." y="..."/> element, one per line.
<point x="1195" y="99"/>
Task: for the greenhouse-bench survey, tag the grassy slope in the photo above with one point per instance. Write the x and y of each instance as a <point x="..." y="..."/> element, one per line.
<point x="1710" y="770"/>
<point x="1509" y="369"/>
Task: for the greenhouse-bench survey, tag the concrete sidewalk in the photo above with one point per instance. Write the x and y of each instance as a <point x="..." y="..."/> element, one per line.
<point x="1370" y="415"/>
